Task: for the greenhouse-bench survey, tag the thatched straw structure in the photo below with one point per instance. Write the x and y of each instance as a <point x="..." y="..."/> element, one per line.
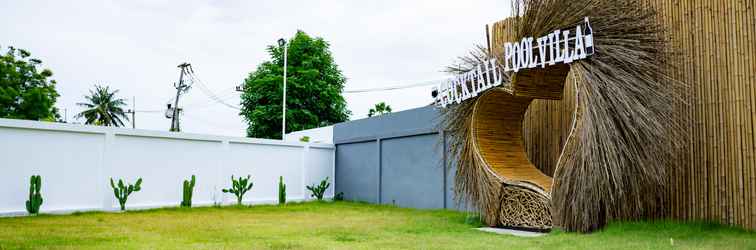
<point x="613" y="164"/>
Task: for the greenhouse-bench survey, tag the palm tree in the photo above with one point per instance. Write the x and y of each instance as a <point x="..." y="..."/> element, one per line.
<point x="103" y="108"/>
<point x="380" y="108"/>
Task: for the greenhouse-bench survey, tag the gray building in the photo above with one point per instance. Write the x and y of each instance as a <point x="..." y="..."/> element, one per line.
<point x="395" y="158"/>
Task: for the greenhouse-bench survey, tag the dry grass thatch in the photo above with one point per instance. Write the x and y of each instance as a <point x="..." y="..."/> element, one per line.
<point x="614" y="162"/>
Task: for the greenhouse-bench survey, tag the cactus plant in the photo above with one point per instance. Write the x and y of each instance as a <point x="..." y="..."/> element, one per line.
<point x="188" y="192"/>
<point x="239" y="188"/>
<point x="319" y="190"/>
<point x="281" y="191"/>
<point x="122" y="191"/>
<point x="35" y="197"/>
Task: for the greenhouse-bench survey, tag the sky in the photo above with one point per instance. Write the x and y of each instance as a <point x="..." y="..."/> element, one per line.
<point x="135" y="46"/>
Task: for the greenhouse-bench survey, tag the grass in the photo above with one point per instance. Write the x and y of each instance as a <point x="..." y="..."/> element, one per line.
<point x="340" y="225"/>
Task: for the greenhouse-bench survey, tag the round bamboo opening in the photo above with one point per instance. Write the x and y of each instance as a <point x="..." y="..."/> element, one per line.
<point x="497" y="129"/>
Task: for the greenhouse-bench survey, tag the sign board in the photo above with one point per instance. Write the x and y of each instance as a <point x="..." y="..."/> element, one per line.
<point x="560" y="46"/>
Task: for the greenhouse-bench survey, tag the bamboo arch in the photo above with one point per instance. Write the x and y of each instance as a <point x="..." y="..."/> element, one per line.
<point x="497" y="140"/>
<point x="614" y="160"/>
<point x="497" y="133"/>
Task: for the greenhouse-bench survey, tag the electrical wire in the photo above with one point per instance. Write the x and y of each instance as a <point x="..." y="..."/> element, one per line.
<point x="203" y="107"/>
<point x="205" y="90"/>
<point x="232" y="93"/>
<point x="228" y="93"/>
<point x="225" y="95"/>
<point x="395" y="87"/>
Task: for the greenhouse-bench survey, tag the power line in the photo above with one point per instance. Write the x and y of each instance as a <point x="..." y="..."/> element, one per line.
<point x="223" y="95"/>
<point x="150" y="111"/>
<point x="405" y="86"/>
<point x="205" y="90"/>
<point x="208" y="105"/>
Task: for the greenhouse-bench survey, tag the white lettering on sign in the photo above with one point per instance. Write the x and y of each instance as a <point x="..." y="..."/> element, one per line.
<point x="560" y="46"/>
<point x="469" y="84"/>
<point x="528" y="53"/>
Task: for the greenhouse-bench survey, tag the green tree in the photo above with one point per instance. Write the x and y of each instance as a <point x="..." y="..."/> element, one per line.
<point x="25" y="91"/>
<point x="379" y="109"/>
<point x="313" y="92"/>
<point x="103" y="108"/>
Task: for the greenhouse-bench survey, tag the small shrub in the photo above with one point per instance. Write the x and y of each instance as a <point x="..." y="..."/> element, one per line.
<point x="304" y="139"/>
<point x="188" y="192"/>
<point x="122" y="191"/>
<point x="281" y="191"/>
<point x="339" y="196"/>
<point x="239" y="188"/>
<point x="35" y="197"/>
<point x="473" y="219"/>
<point x="319" y="190"/>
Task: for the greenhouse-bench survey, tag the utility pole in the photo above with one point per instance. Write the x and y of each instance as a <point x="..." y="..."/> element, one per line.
<point x="282" y="42"/>
<point x="180" y="88"/>
<point x="133" y="112"/>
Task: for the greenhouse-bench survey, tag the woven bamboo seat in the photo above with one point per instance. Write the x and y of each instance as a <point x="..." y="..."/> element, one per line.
<point x="497" y="129"/>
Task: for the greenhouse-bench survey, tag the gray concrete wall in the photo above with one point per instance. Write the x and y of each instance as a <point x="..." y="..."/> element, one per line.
<point x="394" y="159"/>
<point x="358" y="179"/>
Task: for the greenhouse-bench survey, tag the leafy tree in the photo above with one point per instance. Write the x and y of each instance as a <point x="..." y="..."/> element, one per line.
<point x="103" y="108"/>
<point x="313" y="92"/>
<point x="25" y="91"/>
<point x="380" y="109"/>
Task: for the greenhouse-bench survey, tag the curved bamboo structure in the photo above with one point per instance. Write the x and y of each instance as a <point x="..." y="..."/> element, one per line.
<point x="615" y="157"/>
<point x="497" y="132"/>
<point x="497" y="140"/>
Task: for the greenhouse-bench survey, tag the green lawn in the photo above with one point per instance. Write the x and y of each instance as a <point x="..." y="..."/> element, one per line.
<point x="342" y="225"/>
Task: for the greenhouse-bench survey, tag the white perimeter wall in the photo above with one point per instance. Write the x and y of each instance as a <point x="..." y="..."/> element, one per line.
<point x="76" y="162"/>
<point x="321" y="135"/>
